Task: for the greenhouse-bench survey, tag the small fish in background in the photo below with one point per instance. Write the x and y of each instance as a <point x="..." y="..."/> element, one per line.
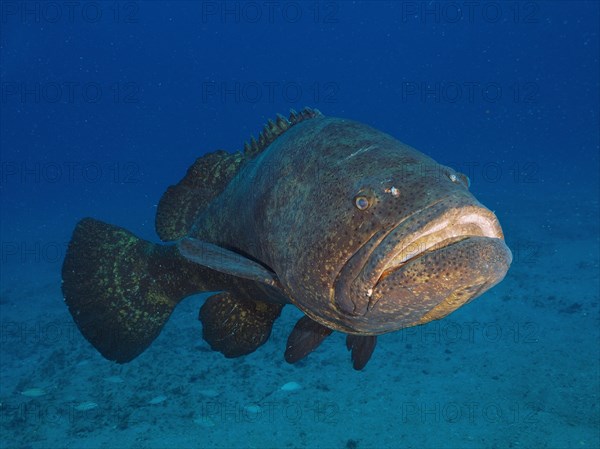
<point x="361" y="232"/>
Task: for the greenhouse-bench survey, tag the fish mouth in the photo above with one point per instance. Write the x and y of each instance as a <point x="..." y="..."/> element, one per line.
<point x="452" y="227"/>
<point x="433" y="237"/>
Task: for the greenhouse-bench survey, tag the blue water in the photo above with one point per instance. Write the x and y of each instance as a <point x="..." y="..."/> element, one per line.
<point x="105" y="104"/>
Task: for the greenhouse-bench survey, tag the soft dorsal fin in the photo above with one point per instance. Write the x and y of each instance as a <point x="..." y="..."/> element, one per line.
<point x="204" y="180"/>
<point x="209" y="176"/>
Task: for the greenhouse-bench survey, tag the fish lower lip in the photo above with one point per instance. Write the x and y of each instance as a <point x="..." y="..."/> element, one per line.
<point x="391" y="268"/>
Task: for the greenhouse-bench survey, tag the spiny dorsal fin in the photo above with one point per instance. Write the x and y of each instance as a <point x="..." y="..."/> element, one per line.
<point x="209" y="175"/>
<point x="204" y="180"/>
<point x="273" y="129"/>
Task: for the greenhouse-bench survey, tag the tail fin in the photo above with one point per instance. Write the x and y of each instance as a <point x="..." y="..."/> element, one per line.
<point x="120" y="289"/>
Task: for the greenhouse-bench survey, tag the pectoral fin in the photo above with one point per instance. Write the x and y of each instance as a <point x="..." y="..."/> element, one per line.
<point x="362" y="347"/>
<point x="304" y="339"/>
<point x="225" y="261"/>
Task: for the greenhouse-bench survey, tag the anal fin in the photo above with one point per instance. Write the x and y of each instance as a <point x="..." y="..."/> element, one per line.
<point x="236" y="326"/>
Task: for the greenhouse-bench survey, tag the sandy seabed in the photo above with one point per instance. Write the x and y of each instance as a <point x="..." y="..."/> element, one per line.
<point x="517" y="368"/>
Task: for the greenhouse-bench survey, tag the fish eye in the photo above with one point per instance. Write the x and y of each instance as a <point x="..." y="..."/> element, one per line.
<point x="362" y="202"/>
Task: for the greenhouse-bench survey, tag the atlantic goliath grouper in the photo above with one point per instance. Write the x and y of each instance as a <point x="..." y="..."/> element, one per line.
<point x="364" y="234"/>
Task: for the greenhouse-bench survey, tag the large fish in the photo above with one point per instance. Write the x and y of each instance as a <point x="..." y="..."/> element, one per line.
<point x="361" y="232"/>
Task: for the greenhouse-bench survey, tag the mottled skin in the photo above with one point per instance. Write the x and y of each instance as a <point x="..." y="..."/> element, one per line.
<point x="361" y="232"/>
<point x="121" y="290"/>
<point x="298" y="217"/>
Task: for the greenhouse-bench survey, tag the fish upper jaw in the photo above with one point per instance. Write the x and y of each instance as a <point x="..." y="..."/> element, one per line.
<point x="456" y="224"/>
<point x="422" y="235"/>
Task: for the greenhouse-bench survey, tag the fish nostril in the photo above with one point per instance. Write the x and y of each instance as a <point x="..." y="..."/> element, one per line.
<point x="395" y="191"/>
